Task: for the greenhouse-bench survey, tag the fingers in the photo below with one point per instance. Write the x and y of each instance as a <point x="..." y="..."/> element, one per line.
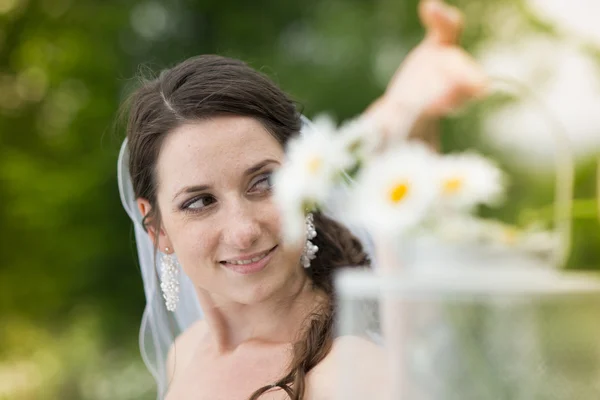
<point x="465" y="69"/>
<point x="465" y="81"/>
<point x="443" y="23"/>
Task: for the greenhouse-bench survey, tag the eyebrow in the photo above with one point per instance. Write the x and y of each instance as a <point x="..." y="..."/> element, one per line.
<point x="252" y="170"/>
<point x="200" y="188"/>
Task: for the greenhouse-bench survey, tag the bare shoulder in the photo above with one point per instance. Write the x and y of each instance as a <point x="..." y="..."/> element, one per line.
<point x="351" y="359"/>
<point x="182" y="350"/>
<point x="364" y="356"/>
<point x="357" y="344"/>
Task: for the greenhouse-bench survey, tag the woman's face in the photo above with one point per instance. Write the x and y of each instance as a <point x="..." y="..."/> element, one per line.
<point x="214" y="195"/>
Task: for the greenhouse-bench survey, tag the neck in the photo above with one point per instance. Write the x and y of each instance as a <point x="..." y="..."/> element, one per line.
<point x="277" y="319"/>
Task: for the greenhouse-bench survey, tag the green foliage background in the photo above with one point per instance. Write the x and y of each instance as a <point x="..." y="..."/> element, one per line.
<point x="70" y="292"/>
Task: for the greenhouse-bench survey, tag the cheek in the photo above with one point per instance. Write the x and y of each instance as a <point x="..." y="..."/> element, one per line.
<point x="291" y="253"/>
<point x="195" y="243"/>
<point x="273" y="220"/>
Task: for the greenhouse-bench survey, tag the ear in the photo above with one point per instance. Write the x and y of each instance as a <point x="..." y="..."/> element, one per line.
<point x="159" y="237"/>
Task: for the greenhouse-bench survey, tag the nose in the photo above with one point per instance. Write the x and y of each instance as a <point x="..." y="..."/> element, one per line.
<point x="241" y="228"/>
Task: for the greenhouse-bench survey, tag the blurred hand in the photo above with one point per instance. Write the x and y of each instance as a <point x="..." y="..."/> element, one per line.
<point x="437" y="76"/>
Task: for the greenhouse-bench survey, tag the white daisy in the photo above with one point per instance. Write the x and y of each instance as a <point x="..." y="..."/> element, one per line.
<point x="468" y="180"/>
<point x="459" y="227"/>
<point x="293" y="222"/>
<point x="465" y="228"/>
<point x="540" y="242"/>
<point x="395" y="191"/>
<point x="314" y="161"/>
<point x="361" y="137"/>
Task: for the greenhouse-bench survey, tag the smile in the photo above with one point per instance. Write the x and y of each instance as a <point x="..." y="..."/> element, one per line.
<point x="251" y="263"/>
<point x="248" y="260"/>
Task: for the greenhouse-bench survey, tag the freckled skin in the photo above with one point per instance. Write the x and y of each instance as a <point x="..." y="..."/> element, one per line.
<point x="217" y="152"/>
<point x="238" y="221"/>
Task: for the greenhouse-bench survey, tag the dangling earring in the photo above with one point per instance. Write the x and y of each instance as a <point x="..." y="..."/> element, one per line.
<point x="169" y="279"/>
<point x="310" y="250"/>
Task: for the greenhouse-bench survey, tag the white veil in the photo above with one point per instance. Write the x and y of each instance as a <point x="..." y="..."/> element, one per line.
<point x="160" y="327"/>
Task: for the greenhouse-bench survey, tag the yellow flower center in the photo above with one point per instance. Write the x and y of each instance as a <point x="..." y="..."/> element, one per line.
<point x="453" y="185"/>
<point x="398" y="192"/>
<point x="314" y="164"/>
<point x="510" y="236"/>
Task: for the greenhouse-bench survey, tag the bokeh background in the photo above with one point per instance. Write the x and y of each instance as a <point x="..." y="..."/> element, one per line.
<point x="71" y="296"/>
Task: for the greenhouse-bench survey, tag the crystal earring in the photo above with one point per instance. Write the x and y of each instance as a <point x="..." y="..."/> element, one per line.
<point x="310" y="250"/>
<point x="169" y="279"/>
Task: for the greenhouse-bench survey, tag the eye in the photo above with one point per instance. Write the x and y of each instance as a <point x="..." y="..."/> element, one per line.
<point x="263" y="183"/>
<point x="198" y="203"/>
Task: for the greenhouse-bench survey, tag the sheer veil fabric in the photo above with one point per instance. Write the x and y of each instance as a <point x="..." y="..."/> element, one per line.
<point x="160" y="327"/>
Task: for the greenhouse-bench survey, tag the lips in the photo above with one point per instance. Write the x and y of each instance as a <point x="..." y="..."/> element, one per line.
<point x="249" y="263"/>
<point x="247" y="259"/>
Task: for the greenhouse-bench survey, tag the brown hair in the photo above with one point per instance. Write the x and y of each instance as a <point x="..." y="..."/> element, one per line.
<point x="207" y="86"/>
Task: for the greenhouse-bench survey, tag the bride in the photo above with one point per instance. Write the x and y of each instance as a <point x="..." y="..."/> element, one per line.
<point x="203" y="141"/>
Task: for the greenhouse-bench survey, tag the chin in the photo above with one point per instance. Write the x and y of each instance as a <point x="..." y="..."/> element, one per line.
<point x="281" y="278"/>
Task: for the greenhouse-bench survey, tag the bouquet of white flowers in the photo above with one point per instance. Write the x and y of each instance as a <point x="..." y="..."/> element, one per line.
<point x="407" y="190"/>
<point x="475" y="309"/>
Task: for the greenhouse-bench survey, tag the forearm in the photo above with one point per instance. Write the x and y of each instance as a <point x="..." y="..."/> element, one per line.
<point x="391" y="121"/>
